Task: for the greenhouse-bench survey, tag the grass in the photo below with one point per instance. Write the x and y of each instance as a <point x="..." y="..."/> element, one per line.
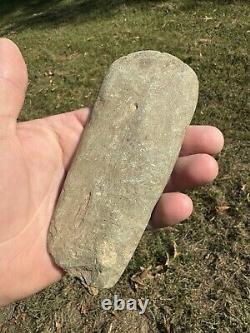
<point x="205" y="288"/>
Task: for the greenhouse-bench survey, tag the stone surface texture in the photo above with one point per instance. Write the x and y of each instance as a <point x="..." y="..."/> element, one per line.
<point x="123" y="162"/>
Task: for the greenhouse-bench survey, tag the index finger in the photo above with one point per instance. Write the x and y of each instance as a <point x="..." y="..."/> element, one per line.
<point x="202" y="139"/>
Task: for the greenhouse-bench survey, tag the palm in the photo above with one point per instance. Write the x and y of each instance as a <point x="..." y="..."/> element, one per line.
<point x="35" y="156"/>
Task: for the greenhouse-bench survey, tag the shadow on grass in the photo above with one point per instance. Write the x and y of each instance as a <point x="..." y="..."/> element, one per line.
<point x="36" y="12"/>
<point x="21" y="14"/>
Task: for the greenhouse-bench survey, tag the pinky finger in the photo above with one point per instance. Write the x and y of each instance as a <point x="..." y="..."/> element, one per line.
<point x="172" y="208"/>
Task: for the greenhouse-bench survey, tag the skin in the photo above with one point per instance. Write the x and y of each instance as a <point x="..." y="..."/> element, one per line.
<point x="35" y="157"/>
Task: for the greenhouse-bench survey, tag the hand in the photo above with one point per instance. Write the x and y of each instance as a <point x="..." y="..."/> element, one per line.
<point x="35" y="156"/>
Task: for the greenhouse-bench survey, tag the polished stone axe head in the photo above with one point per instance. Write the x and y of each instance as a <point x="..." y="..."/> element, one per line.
<point x="123" y="162"/>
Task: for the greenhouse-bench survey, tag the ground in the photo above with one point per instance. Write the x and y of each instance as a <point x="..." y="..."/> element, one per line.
<point x="196" y="275"/>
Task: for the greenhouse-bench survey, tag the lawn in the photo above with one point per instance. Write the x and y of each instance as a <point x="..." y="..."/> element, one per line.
<point x="196" y="275"/>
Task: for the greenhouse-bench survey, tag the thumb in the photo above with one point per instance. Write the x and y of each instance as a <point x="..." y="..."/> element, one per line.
<point x="13" y="82"/>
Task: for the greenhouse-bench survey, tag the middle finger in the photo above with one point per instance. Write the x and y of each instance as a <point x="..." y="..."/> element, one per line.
<point x="191" y="171"/>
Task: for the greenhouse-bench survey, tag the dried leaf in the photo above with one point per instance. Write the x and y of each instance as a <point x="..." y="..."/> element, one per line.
<point x="207" y="18"/>
<point x="222" y="209"/>
<point x="204" y="41"/>
<point x="243" y="187"/>
<point x="110" y="328"/>
<point x="175" y="252"/>
<point x="58" y="327"/>
<point x="93" y="291"/>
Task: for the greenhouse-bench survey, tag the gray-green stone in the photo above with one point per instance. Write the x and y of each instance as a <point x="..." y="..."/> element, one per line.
<point x="124" y="160"/>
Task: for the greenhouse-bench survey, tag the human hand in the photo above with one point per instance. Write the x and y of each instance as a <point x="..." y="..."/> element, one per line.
<point x="35" y="156"/>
